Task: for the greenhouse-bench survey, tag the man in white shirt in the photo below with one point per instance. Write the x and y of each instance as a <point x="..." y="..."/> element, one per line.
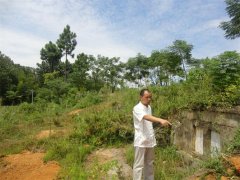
<point x="144" y="138"/>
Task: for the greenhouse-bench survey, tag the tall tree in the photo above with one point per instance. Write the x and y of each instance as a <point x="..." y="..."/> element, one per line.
<point x="232" y="27"/>
<point x="67" y="43"/>
<point x="96" y="82"/>
<point x="16" y="82"/>
<point x="8" y="75"/>
<point x="164" y="64"/>
<point x="225" y="70"/>
<point x="41" y="69"/>
<point x="182" y="49"/>
<point x="51" y="54"/>
<point x="136" y="69"/>
<point x="80" y="70"/>
<point x="110" y="71"/>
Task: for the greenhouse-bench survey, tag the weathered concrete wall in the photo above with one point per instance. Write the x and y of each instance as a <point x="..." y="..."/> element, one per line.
<point x="205" y="132"/>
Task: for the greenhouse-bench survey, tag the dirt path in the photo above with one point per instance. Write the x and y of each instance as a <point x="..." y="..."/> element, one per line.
<point x="47" y="133"/>
<point x="28" y="166"/>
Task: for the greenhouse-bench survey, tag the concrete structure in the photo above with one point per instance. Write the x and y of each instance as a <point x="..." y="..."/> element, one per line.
<point x="205" y="132"/>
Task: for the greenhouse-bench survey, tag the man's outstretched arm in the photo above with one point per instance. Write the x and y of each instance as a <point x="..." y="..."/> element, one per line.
<point x="151" y="118"/>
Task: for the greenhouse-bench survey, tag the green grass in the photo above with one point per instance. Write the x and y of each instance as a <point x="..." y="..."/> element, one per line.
<point x="19" y="125"/>
<point x="105" y="120"/>
<point x="168" y="164"/>
<point x="99" y="171"/>
<point x="214" y="163"/>
<point x="234" y="146"/>
<point x="130" y="154"/>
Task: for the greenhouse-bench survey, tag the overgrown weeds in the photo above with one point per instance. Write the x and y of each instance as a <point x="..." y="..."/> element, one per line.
<point x="105" y="120"/>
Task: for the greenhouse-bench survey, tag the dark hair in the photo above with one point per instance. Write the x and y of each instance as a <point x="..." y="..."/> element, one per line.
<point x="143" y="91"/>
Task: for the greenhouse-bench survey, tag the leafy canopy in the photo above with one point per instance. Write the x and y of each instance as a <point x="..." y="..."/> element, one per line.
<point x="232" y="27"/>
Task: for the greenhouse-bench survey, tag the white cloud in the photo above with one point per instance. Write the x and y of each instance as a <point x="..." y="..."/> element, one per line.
<point x="206" y="26"/>
<point x="160" y="7"/>
<point x="21" y="47"/>
<point x="111" y="28"/>
<point x="93" y="36"/>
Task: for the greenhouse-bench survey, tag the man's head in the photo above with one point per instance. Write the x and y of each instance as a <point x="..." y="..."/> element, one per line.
<point x="145" y="97"/>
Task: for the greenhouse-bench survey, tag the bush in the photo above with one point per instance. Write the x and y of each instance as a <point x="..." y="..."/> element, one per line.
<point x="214" y="163"/>
<point x="53" y="90"/>
<point x="27" y="108"/>
<point x="169" y="164"/>
<point x="234" y="146"/>
<point x="90" y="98"/>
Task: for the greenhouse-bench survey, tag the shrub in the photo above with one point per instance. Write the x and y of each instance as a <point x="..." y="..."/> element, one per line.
<point x="214" y="163"/>
<point x="234" y="146"/>
<point x="89" y="99"/>
<point x="27" y="108"/>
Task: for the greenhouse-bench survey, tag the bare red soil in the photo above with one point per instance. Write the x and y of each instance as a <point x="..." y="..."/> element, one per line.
<point x="28" y="166"/>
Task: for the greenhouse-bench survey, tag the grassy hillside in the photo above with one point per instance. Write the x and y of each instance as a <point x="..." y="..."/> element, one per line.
<point x="102" y="119"/>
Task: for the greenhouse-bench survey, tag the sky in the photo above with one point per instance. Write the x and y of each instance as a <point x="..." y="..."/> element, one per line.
<point x="113" y="28"/>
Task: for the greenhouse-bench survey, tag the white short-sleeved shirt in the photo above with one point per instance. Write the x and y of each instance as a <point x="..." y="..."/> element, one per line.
<point x="144" y="133"/>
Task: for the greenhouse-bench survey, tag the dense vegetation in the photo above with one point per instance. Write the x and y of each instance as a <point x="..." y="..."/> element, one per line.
<point x="56" y="78"/>
<point x="105" y="120"/>
<point x="57" y="81"/>
<point x="100" y="87"/>
<point x="231" y="27"/>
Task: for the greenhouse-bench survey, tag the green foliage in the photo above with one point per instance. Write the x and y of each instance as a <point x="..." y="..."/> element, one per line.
<point x="51" y="55"/>
<point x="98" y="171"/>
<point x="103" y="127"/>
<point x="67" y="43"/>
<point x="53" y="90"/>
<point x="15" y="131"/>
<point x="205" y="87"/>
<point x="12" y="96"/>
<point x="183" y="50"/>
<point x="232" y="94"/>
<point x="167" y="100"/>
<point x="234" y="146"/>
<point x="80" y="70"/>
<point x="19" y="124"/>
<point x="105" y="120"/>
<point x="169" y="164"/>
<point x="231" y="27"/>
<point x="8" y="76"/>
<point x="70" y="152"/>
<point x="110" y="71"/>
<point x="15" y="82"/>
<point x="136" y="69"/>
<point x="130" y="155"/>
<point x="164" y="64"/>
<point x="106" y="124"/>
<point x="105" y="72"/>
<point x="44" y="94"/>
<point x="214" y="163"/>
<point x="28" y="108"/>
<point x="225" y="70"/>
<point x="88" y="99"/>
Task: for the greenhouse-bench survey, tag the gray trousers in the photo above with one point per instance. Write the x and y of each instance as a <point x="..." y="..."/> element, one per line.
<point x="143" y="163"/>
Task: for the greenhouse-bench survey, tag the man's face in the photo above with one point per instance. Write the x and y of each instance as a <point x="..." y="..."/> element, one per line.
<point x="146" y="98"/>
